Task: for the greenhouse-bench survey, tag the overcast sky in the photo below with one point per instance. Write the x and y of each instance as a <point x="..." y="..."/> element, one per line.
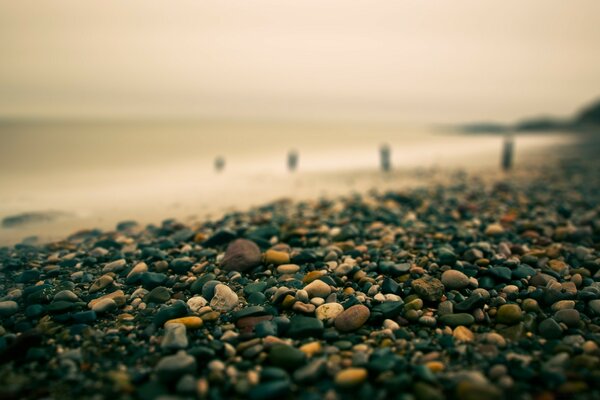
<point x="425" y="60"/>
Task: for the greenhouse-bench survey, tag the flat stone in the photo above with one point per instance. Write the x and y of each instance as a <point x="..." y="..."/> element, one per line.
<point x="288" y="269"/>
<point x="454" y="320"/>
<point x="104" y="305"/>
<point x="352" y="318"/>
<point x="159" y="294"/>
<point x="304" y="327"/>
<point x="453" y="279"/>
<point x="276" y="257"/>
<point x="287" y="357"/>
<point x="171" y="368"/>
<point x="351" y="377"/>
<point x="101" y="283"/>
<point x="550" y="329"/>
<point x="188" y="322"/>
<point x="114" y="266"/>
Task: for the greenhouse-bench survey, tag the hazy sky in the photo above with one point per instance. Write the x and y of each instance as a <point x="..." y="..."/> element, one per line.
<point x="401" y="60"/>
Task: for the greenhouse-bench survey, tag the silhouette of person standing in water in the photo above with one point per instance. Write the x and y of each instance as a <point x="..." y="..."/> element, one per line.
<point x="219" y="164"/>
<point x="507" y="153"/>
<point x="385" y="155"/>
<point x="292" y="160"/>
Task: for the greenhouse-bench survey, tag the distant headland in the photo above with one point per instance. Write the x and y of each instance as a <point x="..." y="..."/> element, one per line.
<point x="587" y="118"/>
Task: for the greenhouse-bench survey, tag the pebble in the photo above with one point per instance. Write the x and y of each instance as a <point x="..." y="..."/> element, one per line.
<point x="454" y="320"/>
<point x="351" y="377"/>
<point x="188" y="322"/>
<point x="224" y="299"/>
<point x="101" y="283"/>
<point x="241" y="255"/>
<point x="453" y="279"/>
<point x="8" y="308"/>
<point x="171" y="368"/>
<point x="285" y="356"/>
<point x="104" y="306"/>
<point x="569" y="317"/>
<point x="328" y="311"/>
<point x="318" y="288"/>
<point x="288" y="268"/>
<point x="196" y="303"/>
<point x="175" y="337"/>
<point x="276" y="257"/>
<point x="352" y="318"/>
<point x="509" y="314"/>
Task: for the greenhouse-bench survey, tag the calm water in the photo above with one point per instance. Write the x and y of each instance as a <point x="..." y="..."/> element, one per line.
<point x="104" y="172"/>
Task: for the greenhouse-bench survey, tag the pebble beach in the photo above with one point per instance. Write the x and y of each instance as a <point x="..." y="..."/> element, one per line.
<point x="465" y="289"/>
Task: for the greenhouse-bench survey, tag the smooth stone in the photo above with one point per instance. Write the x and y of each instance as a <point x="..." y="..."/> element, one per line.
<point x="196" y="303"/>
<point x="66" y="295"/>
<point x="276" y="257"/>
<point x="509" y="314"/>
<point x="428" y="288"/>
<point x="117" y="296"/>
<point x="494" y="229"/>
<point x="303" y="327"/>
<point x="352" y="318"/>
<point x="105" y="305"/>
<point x="114" y="266"/>
<point x="569" y="317"/>
<point x="165" y="313"/>
<point x="8" y="308"/>
<point x="550" y="329"/>
<point x="175" y="336"/>
<point x="454" y="320"/>
<point x="453" y="279"/>
<point x="501" y="273"/>
<point x="318" y="288"/>
<point x="224" y="299"/>
<point x="287" y="357"/>
<point x="181" y="265"/>
<point x="270" y="390"/>
<point x="594" y="305"/>
<point x="101" y="283"/>
<point x="350" y="377"/>
<point x="171" y="368"/>
<point x="328" y="311"/>
<point x="188" y="322"/>
<point x="135" y="274"/>
<point x="310" y="372"/>
<point x="159" y="294"/>
<point x="85" y="317"/>
<point x="241" y="255"/>
<point x="288" y="269"/>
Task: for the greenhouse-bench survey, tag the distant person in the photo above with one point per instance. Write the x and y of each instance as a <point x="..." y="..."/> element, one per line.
<point x="507" y="153"/>
<point x="385" y="156"/>
<point x="219" y="164"/>
<point x="292" y="160"/>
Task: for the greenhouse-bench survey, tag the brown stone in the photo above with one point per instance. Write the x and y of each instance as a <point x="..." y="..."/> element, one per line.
<point x="241" y="255"/>
<point x="352" y="318"/>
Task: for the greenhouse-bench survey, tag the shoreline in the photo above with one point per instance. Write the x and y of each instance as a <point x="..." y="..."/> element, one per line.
<point x="211" y="195"/>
